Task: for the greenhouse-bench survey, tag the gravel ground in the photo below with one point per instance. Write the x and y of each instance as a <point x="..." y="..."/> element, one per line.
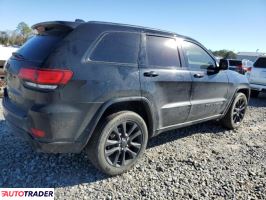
<point x="204" y="161"/>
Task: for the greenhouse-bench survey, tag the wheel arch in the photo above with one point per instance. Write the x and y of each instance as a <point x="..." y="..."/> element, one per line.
<point x="140" y="105"/>
<point x="244" y="90"/>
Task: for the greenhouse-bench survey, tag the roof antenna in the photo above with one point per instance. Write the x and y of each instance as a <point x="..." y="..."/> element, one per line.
<point x="79" y="20"/>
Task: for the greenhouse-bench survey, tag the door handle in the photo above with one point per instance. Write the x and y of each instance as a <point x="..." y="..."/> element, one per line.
<point x="198" y="75"/>
<point x="150" y="74"/>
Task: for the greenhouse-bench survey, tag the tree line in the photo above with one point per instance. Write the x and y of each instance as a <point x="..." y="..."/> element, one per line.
<point x="225" y="54"/>
<point x="16" y="37"/>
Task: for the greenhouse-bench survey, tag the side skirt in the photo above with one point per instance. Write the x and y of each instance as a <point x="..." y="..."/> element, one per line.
<point x="167" y="128"/>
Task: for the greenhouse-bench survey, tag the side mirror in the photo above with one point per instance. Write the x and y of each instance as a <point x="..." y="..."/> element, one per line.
<point x="223" y="64"/>
<point x="212" y="70"/>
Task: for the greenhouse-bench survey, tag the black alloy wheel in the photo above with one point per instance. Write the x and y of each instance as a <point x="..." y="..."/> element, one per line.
<point x="239" y="111"/>
<point x="118" y="142"/>
<point x="236" y="113"/>
<point x="123" y="143"/>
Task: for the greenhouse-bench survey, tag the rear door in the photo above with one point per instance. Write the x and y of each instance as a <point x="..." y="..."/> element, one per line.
<point x="258" y="73"/>
<point x="209" y="92"/>
<point x="163" y="81"/>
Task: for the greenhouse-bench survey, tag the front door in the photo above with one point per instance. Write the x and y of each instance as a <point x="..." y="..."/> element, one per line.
<point x="209" y="92"/>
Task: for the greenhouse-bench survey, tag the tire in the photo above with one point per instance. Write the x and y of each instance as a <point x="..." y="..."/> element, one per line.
<point x="254" y="93"/>
<point x="124" y="144"/>
<point x="234" y="116"/>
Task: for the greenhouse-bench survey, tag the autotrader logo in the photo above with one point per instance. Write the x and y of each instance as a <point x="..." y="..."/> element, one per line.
<point x="27" y="193"/>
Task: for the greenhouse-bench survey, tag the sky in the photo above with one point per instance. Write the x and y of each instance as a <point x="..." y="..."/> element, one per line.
<point x="237" y="25"/>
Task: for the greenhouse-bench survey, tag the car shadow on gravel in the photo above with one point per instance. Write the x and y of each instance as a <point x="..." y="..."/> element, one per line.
<point x="208" y="127"/>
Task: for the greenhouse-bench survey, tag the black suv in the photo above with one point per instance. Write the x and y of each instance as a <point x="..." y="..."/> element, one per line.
<point x="110" y="87"/>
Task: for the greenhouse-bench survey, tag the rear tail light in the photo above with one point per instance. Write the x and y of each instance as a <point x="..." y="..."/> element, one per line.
<point x="45" y="78"/>
<point x="37" y="132"/>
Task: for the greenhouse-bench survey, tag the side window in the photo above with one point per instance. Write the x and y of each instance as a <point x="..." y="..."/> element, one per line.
<point x="162" y="51"/>
<point x="197" y="58"/>
<point x="121" y="47"/>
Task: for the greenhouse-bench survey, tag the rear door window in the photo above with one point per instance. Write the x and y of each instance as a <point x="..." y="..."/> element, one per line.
<point x="118" y="47"/>
<point x="260" y="63"/>
<point x="162" y="51"/>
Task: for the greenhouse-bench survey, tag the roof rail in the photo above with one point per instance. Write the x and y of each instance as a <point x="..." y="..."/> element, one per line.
<point x="133" y="26"/>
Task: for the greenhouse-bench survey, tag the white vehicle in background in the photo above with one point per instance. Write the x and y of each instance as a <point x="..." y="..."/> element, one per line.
<point x="257" y="76"/>
<point x="5" y="54"/>
<point x="247" y="65"/>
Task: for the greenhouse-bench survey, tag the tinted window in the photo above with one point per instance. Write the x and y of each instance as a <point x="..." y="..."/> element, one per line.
<point x="39" y="47"/>
<point x="260" y="63"/>
<point x="197" y="58"/>
<point x="235" y="62"/>
<point x="117" y="47"/>
<point x="162" y="51"/>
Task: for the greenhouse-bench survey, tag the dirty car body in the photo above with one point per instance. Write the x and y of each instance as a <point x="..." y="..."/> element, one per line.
<point x="61" y="115"/>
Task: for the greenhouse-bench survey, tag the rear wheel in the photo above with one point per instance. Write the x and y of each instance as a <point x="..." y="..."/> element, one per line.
<point x="254" y="93"/>
<point x="118" y="142"/>
<point x="236" y="112"/>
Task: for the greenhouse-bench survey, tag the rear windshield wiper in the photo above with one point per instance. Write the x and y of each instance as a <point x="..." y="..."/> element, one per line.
<point x="18" y="55"/>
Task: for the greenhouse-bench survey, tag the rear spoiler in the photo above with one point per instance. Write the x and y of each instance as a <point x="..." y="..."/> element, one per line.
<point x="57" y="24"/>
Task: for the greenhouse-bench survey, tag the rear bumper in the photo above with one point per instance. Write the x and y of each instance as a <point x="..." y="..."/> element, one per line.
<point x="261" y="88"/>
<point x="63" y="127"/>
<point x="46" y="147"/>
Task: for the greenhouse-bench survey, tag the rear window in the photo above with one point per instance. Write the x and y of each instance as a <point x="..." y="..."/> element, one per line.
<point x="38" y="47"/>
<point x="260" y="63"/>
<point x="235" y="62"/>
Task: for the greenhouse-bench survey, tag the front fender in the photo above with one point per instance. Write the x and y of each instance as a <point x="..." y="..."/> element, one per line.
<point x="237" y="82"/>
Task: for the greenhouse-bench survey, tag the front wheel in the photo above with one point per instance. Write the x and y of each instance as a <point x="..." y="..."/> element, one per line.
<point x="118" y="143"/>
<point x="236" y="112"/>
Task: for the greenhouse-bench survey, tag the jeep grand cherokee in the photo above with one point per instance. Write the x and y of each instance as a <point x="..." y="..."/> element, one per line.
<point x="107" y="88"/>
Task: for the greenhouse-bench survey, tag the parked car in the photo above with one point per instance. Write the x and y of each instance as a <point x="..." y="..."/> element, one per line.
<point x="257" y="76"/>
<point x="5" y="54"/>
<point x="236" y="65"/>
<point x="110" y="87"/>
